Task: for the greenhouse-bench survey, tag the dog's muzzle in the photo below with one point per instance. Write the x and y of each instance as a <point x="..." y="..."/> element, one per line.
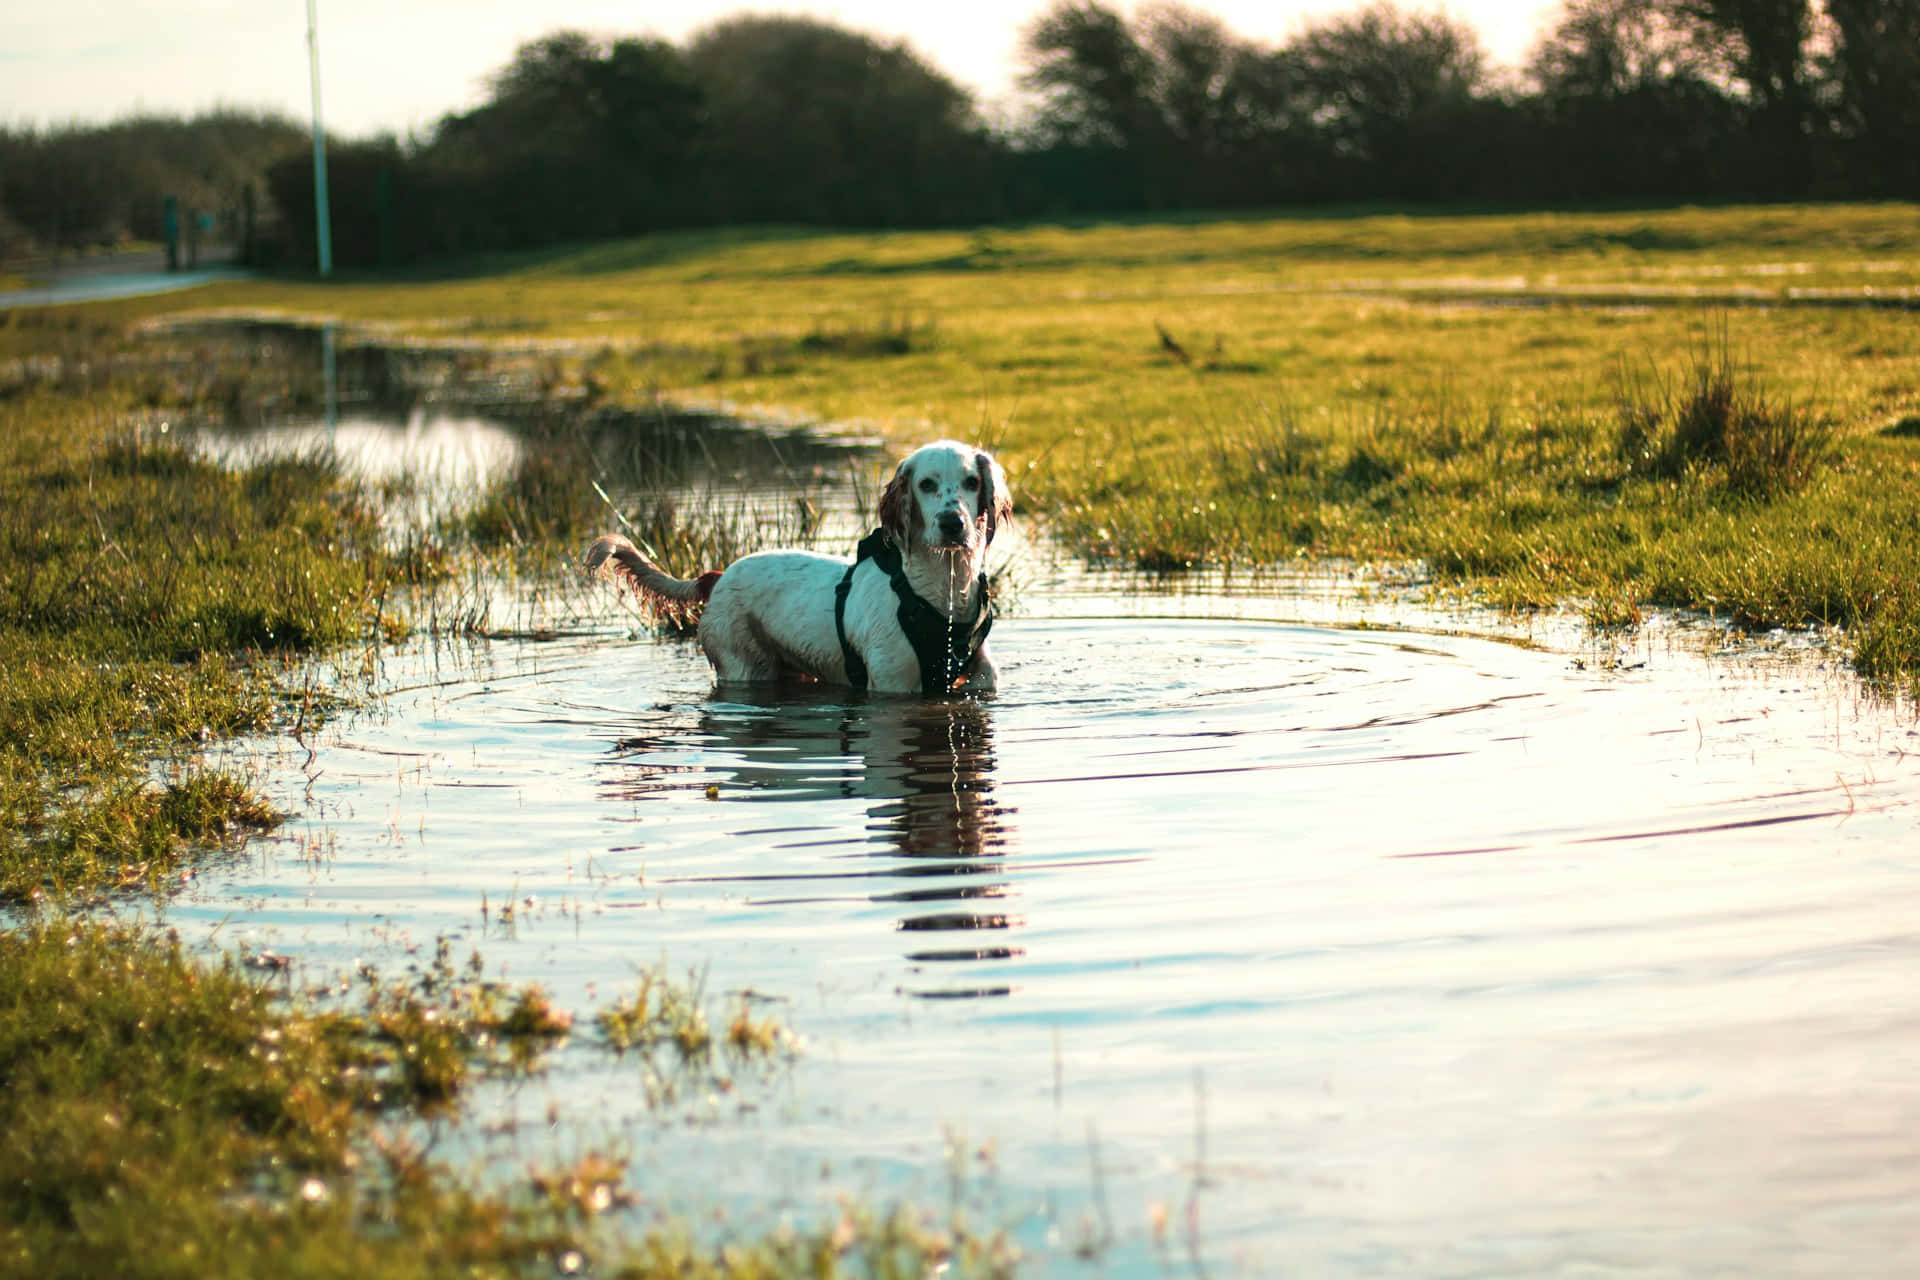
<point x="953" y="529"/>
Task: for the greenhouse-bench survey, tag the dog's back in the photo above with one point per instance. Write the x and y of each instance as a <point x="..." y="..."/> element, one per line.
<point x="771" y="616"/>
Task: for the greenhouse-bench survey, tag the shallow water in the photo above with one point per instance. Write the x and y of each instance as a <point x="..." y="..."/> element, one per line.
<point x="1419" y="952"/>
<point x="1222" y="939"/>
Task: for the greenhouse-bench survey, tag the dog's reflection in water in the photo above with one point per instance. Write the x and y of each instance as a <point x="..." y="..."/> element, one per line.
<point x="924" y="770"/>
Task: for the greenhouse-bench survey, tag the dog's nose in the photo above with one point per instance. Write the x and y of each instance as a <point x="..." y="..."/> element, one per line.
<point x="952" y="527"/>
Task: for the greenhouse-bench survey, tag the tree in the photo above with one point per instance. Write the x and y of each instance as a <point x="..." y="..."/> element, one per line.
<point x="1095" y="79"/>
<point x="1392" y="96"/>
<point x="1609" y="49"/>
<point x="580" y="137"/>
<point x="1633" y="103"/>
<point x="76" y="185"/>
<point x="814" y="123"/>
<point x="1875" y="67"/>
<point x="1219" y="106"/>
<point x="1187" y="112"/>
<point x="1766" y="42"/>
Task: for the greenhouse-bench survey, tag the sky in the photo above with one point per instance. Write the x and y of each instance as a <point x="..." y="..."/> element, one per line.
<point x="399" y="65"/>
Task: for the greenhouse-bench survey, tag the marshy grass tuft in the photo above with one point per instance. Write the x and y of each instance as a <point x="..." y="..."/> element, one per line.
<point x="428" y="1033"/>
<point x="891" y="333"/>
<point x="679" y="1034"/>
<point x="1885" y="642"/>
<point x="1725" y="423"/>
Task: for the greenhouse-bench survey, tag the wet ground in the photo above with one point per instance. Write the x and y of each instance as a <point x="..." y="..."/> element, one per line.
<point x="1229" y="938"/>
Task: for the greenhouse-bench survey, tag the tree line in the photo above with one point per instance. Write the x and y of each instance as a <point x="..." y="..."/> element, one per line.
<point x="792" y="120"/>
<point x="87" y="185"/>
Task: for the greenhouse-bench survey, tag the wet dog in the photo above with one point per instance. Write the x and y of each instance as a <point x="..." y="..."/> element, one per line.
<point x="909" y="614"/>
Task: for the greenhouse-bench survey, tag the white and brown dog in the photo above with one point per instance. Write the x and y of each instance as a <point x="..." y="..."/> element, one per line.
<point x="908" y="615"/>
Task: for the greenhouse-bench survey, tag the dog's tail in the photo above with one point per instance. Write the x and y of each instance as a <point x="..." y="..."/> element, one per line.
<point x="678" y="599"/>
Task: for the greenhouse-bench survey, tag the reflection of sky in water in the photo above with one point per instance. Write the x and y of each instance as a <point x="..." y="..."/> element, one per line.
<point x="1653" y="1007"/>
<point x="424" y="463"/>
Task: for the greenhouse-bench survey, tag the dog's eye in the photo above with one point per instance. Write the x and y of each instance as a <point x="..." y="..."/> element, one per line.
<point x="970" y="483"/>
<point x="928" y="485"/>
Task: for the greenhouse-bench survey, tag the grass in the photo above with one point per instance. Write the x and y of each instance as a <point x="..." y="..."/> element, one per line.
<point x="1459" y="390"/>
<point x="670" y="1026"/>
<point x="1722" y="422"/>
<point x="144" y="600"/>
<point x="1642" y="433"/>
<point x="1696" y="409"/>
<point x="167" y="1117"/>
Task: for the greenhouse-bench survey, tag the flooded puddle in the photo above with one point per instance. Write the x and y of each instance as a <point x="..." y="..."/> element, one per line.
<point x="1222" y="940"/>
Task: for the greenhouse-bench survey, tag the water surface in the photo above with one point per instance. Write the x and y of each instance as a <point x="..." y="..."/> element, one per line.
<point x="1223" y="939"/>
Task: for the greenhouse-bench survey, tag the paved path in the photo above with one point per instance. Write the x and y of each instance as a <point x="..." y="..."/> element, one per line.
<point x="123" y="276"/>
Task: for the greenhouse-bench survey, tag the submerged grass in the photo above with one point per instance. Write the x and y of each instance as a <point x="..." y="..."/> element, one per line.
<point x="164" y="1117"/>
<point x="144" y="598"/>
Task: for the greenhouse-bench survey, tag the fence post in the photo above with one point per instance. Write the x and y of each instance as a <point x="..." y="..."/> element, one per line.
<point x="170" y="224"/>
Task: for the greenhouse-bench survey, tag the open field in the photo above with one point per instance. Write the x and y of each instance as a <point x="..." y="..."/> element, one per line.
<point x="1483" y="394"/>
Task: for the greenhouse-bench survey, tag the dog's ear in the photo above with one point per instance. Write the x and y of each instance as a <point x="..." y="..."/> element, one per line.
<point x="996" y="499"/>
<point x="897" y="509"/>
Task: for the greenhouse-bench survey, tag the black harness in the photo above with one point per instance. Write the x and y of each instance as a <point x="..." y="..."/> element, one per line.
<point x="945" y="648"/>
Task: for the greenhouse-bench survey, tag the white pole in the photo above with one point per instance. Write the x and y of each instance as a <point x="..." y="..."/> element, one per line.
<point x="323" y="224"/>
<point x="330" y="377"/>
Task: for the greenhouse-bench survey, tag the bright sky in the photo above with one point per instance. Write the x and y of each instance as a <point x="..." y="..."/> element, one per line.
<point x="400" y="65"/>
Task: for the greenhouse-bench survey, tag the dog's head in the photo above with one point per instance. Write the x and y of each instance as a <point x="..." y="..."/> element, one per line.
<point x="946" y="497"/>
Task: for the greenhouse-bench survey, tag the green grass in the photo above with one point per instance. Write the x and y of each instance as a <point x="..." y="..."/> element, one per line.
<point x="166" y="1117"/>
<point x="1502" y="397"/>
<point x="671" y="1030"/>
<point x="145" y="599"/>
<point x="1695" y="408"/>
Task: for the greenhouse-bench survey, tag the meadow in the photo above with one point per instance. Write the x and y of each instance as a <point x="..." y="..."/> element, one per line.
<point x="1713" y="410"/>
<point x="1503" y="399"/>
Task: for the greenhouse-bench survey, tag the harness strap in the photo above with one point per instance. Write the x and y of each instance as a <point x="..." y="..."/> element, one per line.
<point x="945" y="647"/>
<point x="856" y="669"/>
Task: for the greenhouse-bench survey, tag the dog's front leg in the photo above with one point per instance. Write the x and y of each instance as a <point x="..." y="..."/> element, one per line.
<point x="890" y="673"/>
<point x="981" y="676"/>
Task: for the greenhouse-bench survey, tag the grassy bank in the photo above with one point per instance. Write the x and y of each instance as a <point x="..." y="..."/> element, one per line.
<point x="144" y="598"/>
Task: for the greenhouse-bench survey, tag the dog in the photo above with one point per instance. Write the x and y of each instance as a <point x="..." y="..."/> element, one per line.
<point x="908" y="615"/>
